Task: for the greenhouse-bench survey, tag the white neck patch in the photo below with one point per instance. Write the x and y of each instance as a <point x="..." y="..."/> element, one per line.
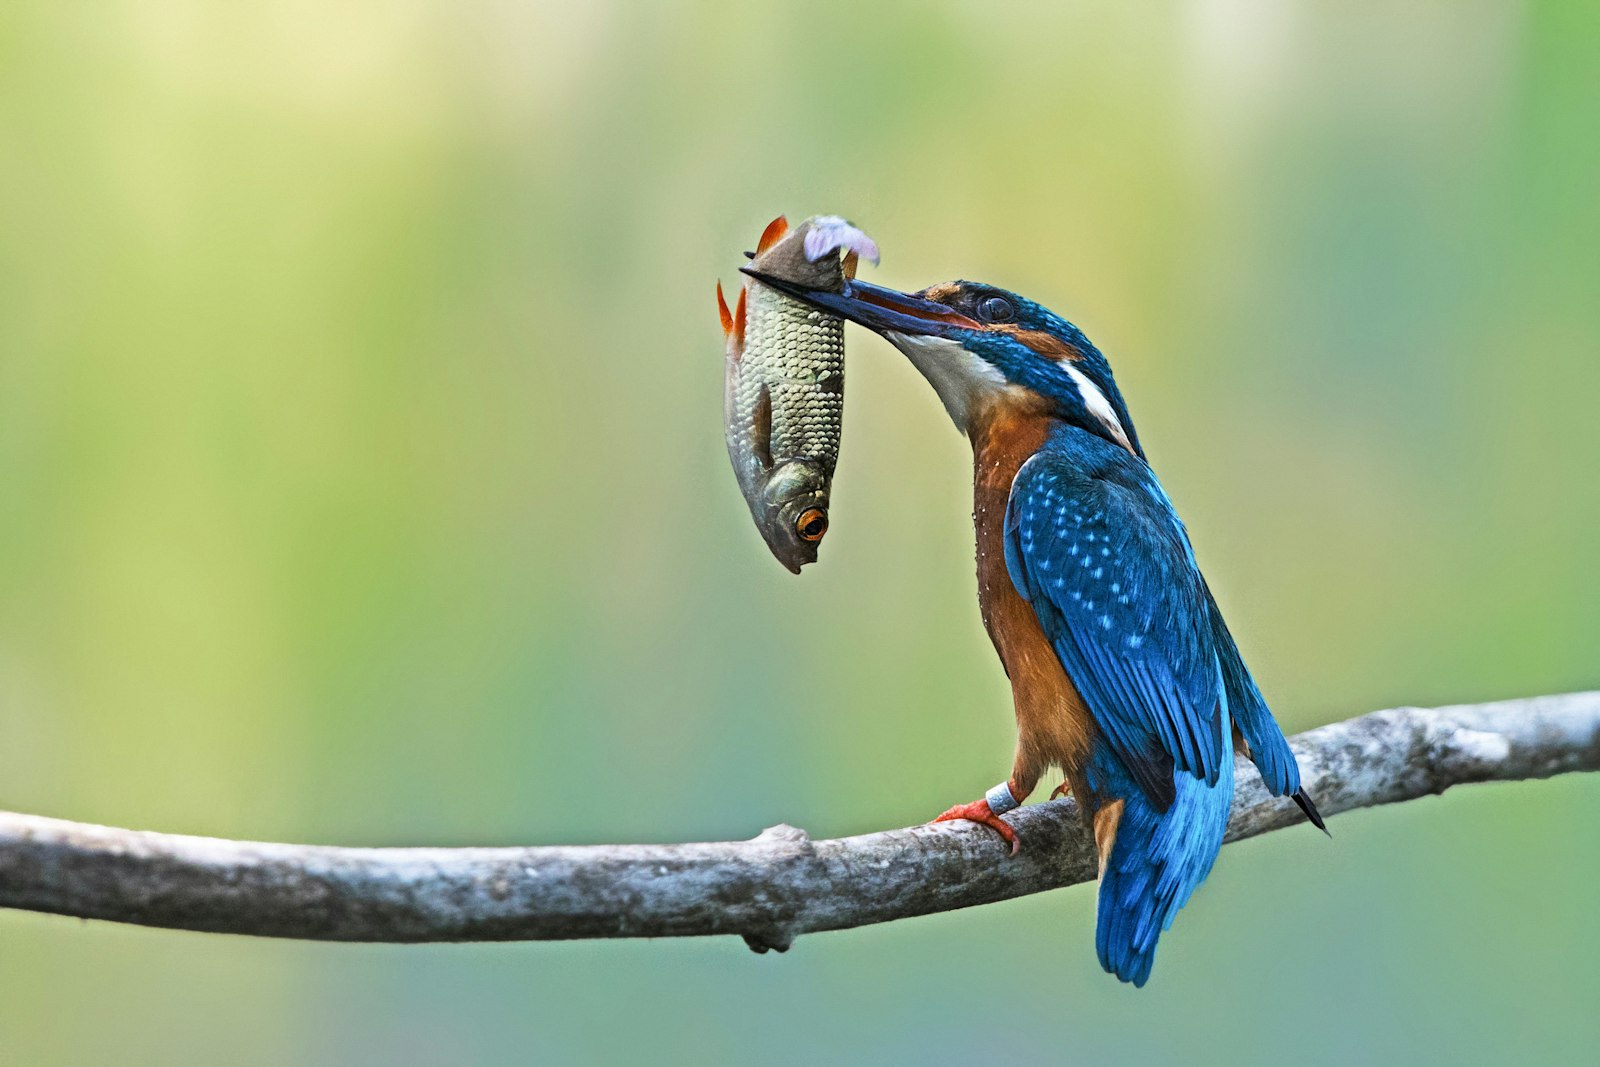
<point x="1098" y="405"/>
<point x="965" y="382"/>
<point x="962" y="380"/>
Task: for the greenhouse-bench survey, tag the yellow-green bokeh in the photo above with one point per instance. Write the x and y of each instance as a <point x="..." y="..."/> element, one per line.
<point x="361" y="481"/>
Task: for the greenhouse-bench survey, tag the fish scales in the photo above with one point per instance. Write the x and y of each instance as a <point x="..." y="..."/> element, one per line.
<point x="785" y="384"/>
<point x="800" y="356"/>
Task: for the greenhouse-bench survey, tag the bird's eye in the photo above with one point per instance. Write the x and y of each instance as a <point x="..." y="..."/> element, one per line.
<point x="996" y="309"/>
<point x="812" y="524"/>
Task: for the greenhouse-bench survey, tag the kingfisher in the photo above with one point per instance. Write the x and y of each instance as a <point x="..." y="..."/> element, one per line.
<point x="1123" y="673"/>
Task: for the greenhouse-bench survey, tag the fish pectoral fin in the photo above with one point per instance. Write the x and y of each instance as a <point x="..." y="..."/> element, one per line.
<point x="761" y="429"/>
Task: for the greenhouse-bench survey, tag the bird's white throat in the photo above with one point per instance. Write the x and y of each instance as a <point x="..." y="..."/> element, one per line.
<point x="965" y="382"/>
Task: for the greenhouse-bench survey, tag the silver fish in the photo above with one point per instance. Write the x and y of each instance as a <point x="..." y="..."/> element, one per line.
<point x="784" y="399"/>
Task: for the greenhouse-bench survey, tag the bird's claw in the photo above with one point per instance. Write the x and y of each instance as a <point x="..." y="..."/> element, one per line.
<point x="1064" y="789"/>
<point x="978" y="812"/>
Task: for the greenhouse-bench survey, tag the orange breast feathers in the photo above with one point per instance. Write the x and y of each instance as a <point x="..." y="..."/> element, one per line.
<point x="1053" y="725"/>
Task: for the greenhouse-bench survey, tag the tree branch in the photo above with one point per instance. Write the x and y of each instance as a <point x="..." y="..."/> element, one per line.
<point x="768" y="890"/>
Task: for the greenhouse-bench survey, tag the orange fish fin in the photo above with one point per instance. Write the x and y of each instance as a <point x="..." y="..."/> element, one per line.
<point x="851" y="262"/>
<point x="772" y="234"/>
<point x="723" y="313"/>
<point x="738" y="321"/>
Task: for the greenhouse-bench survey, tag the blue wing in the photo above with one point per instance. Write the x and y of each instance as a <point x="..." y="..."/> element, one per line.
<point x="1098" y="552"/>
<point x="1268" y="749"/>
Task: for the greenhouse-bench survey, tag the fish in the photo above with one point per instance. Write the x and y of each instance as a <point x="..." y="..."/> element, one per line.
<point x="783" y="400"/>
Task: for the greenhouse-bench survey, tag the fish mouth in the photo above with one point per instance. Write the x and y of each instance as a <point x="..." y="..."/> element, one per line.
<point x="793" y="530"/>
<point x="793" y="555"/>
<point x="790" y="508"/>
<point x="880" y="310"/>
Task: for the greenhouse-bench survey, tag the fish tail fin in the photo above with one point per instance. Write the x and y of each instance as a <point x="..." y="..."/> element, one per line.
<point x="1151" y="862"/>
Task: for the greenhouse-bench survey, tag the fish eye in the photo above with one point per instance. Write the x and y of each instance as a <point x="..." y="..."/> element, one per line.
<point x="996" y="309"/>
<point x="812" y="524"/>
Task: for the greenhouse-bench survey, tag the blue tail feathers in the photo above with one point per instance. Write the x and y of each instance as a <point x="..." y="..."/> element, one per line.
<point x="1158" y="860"/>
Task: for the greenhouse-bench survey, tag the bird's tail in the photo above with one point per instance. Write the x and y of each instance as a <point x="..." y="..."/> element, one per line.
<point x="1151" y="861"/>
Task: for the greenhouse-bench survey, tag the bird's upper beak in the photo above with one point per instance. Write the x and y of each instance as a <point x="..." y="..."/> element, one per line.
<point x="878" y="309"/>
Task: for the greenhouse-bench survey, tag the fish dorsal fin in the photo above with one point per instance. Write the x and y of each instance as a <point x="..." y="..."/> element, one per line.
<point x="852" y="260"/>
<point x="738" y="321"/>
<point x="772" y="234"/>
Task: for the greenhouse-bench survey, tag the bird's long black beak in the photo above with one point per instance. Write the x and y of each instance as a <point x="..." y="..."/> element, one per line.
<point x="878" y="309"/>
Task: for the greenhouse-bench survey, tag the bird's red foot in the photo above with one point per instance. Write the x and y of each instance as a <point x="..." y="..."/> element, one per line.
<point x="1064" y="789"/>
<point x="978" y="811"/>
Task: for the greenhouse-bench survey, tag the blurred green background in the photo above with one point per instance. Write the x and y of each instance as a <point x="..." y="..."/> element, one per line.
<point x="362" y="481"/>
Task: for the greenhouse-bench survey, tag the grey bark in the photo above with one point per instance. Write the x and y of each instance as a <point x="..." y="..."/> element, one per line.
<point x="767" y="890"/>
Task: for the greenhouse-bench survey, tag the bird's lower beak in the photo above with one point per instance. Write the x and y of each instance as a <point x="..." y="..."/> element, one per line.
<point x="878" y="309"/>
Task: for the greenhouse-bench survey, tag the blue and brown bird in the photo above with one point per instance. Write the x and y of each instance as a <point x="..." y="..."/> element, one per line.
<point x="1122" y="671"/>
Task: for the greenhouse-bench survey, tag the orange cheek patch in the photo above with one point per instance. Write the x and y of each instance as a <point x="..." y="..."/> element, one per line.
<point x="1047" y="345"/>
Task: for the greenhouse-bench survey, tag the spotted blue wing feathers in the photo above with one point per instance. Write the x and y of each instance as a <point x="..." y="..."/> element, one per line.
<point x="1096" y="548"/>
<point x="1105" y="564"/>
